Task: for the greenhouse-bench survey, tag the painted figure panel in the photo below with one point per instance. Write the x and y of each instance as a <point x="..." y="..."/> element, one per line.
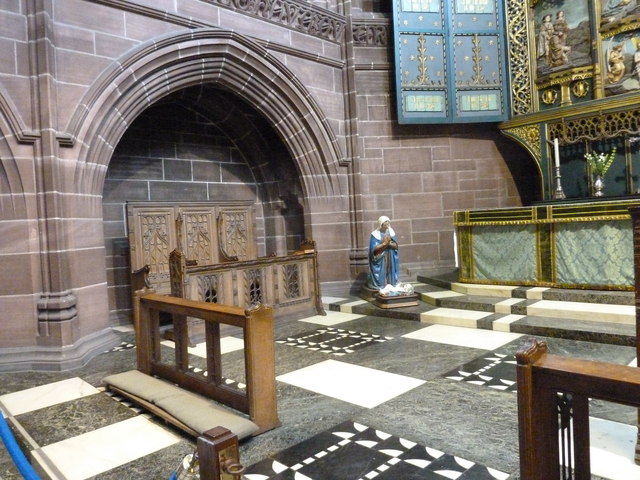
<point x="563" y="35"/>
<point x="622" y="63"/>
<point x="615" y="10"/>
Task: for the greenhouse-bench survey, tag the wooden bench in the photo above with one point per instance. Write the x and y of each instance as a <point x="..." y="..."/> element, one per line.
<point x="194" y="402"/>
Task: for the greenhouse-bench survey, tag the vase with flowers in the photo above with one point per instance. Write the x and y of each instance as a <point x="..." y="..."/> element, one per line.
<point x="598" y="164"/>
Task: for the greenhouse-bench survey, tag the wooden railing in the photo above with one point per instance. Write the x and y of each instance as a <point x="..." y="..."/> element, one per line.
<point x="553" y="409"/>
<point x="259" y="399"/>
<point x="287" y="283"/>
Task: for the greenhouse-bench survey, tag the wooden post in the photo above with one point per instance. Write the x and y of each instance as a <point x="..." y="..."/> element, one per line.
<point x="260" y="365"/>
<point x="219" y="455"/>
<point x="537" y="418"/>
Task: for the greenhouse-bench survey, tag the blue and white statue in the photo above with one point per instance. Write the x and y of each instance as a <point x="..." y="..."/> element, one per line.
<point x="384" y="263"/>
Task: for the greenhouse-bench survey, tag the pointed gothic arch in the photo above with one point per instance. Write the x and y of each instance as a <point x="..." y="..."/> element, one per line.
<point x="226" y="59"/>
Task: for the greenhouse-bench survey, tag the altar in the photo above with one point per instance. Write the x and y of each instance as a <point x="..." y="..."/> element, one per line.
<point x="587" y="245"/>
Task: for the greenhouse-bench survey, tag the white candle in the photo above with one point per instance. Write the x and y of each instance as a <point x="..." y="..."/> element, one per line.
<point x="556" y="152"/>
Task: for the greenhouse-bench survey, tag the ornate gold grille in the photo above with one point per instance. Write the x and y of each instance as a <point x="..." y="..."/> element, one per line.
<point x="596" y="127"/>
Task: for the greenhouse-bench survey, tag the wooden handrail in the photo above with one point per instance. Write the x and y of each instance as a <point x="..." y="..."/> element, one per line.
<point x="545" y="382"/>
<point x="259" y="401"/>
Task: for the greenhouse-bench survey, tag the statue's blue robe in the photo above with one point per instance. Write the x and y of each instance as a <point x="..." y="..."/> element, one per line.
<point x="378" y="275"/>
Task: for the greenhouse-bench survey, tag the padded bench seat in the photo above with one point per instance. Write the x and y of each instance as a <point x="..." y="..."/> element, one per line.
<point x="177" y="405"/>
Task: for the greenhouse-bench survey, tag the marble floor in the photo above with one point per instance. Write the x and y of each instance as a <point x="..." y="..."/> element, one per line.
<point x="359" y="397"/>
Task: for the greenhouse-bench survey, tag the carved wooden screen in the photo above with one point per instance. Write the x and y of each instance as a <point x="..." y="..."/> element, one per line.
<point x="207" y="233"/>
<point x="235" y="232"/>
<point x="198" y="234"/>
<point x="152" y="236"/>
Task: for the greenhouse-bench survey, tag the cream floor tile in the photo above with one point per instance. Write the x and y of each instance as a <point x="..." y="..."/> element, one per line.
<point x="613" y="450"/>
<point x="329" y="300"/>
<point x="433" y="297"/>
<point x="535" y="293"/>
<point x="331" y="318"/>
<point x="463" y="337"/>
<point x="227" y="344"/>
<point x="361" y="386"/>
<point x="479" y="289"/>
<point x="625" y="314"/>
<point x="347" y="307"/>
<point x="504" y="324"/>
<point x="505" y="305"/>
<point x="230" y="344"/>
<point x="46" y="395"/>
<point x="123" y="329"/>
<point x="454" y="317"/>
<point x="95" y="452"/>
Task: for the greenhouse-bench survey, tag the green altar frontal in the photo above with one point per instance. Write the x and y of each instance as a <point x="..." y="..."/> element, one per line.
<point x="573" y="245"/>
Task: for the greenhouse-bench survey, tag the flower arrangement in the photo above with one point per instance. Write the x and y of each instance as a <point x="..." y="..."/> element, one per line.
<point x="599" y="163"/>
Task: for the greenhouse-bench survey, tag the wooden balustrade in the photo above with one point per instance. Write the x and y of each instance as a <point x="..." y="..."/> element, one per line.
<point x="553" y="409"/>
<point x="259" y="399"/>
<point x="287" y="283"/>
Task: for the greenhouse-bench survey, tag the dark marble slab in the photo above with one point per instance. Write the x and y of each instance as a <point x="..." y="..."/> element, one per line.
<point x="70" y="419"/>
<point x="590" y="296"/>
<point x="470" y="302"/>
<point x="158" y="465"/>
<point x="583" y="330"/>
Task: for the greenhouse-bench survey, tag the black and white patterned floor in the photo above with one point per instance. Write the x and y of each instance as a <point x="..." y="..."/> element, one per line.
<point x="336" y="341"/>
<point x="352" y="451"/>
<point x="395" y="404"/>
<point x="494" y="370"/>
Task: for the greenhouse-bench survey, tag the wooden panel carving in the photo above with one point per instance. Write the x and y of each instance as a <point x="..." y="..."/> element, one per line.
<point x="208" y="233"/>
<point x="235" y="231"/>
<point x="151" y="239"/>
<point x="198" y="227"/>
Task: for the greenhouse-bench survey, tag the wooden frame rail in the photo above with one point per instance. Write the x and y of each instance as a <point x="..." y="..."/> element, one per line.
<point x="259" y="400"/>
<point x="288" y="283"/>
<point x="553" y="409"/>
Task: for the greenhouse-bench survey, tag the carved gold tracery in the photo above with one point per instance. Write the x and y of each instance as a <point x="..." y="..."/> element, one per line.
<point x="529" y="136"/>
<point x="520" y="68"/>
<point x="596" y="127"/>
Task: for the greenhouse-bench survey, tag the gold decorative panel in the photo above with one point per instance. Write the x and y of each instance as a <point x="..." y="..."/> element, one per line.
<point x="520" y="68"/>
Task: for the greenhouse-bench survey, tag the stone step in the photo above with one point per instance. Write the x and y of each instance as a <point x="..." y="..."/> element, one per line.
<point x="448" y="283"/>
<point x="624" y="314"/>
<point x="589" y="315"/>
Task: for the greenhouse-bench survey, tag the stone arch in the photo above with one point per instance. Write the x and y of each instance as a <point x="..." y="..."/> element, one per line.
<point x="226" y="59"/>
<point x="12" y="130"/>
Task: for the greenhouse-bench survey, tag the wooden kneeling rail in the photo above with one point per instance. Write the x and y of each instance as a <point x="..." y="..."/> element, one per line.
<point x="258" y="401"/>
<point x="553" y="409"/>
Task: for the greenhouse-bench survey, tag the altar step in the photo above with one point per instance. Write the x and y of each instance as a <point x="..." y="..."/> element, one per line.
<point x="589" y="315"/>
